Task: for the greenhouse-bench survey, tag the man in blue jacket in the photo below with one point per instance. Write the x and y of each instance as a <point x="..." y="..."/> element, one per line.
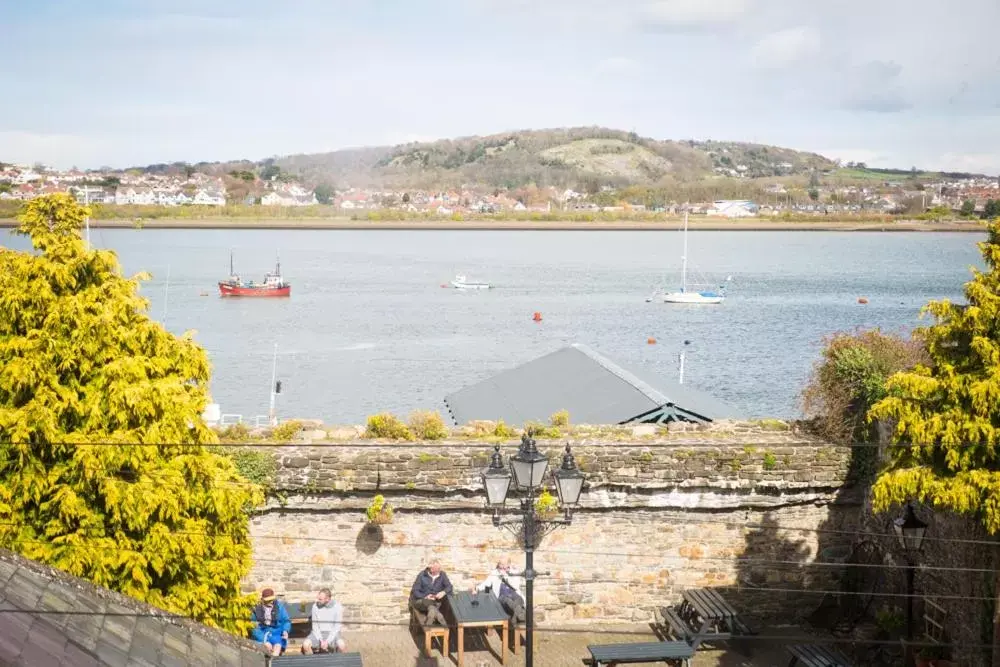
<point x="272" y="623"/>
<point x="429" y="590"/>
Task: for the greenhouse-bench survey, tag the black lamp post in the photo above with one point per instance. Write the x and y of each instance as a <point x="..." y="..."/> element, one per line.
<point x="527" y="472"/>
<point x="910" y="532"/>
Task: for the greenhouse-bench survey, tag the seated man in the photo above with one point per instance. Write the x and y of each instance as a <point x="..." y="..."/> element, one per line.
<point x="428" y="590"/>
<point x="272" y="623"/>
<point x="506" y="586"/>
<point x="326" y="618"/>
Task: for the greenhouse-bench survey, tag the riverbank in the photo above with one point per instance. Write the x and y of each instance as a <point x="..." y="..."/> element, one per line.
<point x="703" y="224"/>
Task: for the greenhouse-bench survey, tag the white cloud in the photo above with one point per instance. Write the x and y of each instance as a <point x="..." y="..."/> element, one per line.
<point x="786" y="47"/>
<point x="692" y="13"/>
<point x="616" y="65"/>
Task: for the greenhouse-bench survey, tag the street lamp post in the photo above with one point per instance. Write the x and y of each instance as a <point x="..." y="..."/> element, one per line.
<point x="526" y="474"/>
<point x="910" y="531"/>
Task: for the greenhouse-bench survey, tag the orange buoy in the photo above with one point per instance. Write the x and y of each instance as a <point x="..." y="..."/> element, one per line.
<point x="862" y="300"/>
<point x="650" y="341"/>
<point x="537" y="316"/>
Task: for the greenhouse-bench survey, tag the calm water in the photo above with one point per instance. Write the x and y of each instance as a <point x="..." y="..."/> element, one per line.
<point x="368" y="327"/>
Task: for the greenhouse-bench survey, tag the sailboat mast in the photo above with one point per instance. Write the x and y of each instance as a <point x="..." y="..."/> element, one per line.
<point x="684" y="257"/>
<point x="231" y="272"/>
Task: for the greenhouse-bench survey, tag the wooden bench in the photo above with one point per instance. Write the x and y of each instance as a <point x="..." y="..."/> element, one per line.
<point x="679" y="628"/>
<point x="605" y="655"/>
<point x="816" y="655"/>
<point x="431" y="632"/>
<point x="319" y="660"/>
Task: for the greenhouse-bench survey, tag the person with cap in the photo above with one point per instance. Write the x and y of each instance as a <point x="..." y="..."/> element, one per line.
<point x="326" y="623"/>
<point x="272" y="623"/>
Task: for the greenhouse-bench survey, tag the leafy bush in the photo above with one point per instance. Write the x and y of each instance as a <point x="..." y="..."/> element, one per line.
<point x="501" y="430"/>
<point x="386" y="425"/>
<point x="256" y="465"/>
<point x="379" y="511"/>
<point x="285" y="431"/>
<point x="239" y="432"/>
<point x="540" y="430"/>
<point x="560" y="419"/>
<point x="850" y="377"/>
<point x="770" y="461"/>
<point x="427" y="425"/>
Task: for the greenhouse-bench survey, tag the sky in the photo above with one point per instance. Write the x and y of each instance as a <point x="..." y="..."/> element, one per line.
<point x="892" y="83"/>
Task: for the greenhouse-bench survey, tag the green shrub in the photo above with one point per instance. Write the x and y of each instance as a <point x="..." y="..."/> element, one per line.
<point x="256" y="465"/>
<point x="850" y="377"/>
<point x="386" y="425"/>
<point x="235" y="433"/>
<point x="501" y="430"/>
<point x="427" y="425"/>
<point x="770" y="462"/>
<point x="560" y="419"/>
<point x="285" y="431"/>
<point x="540" y="430"/>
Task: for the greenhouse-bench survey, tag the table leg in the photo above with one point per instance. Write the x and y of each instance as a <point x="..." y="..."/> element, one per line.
<point x="461" y="645"/>
<point x="503" y="649"/>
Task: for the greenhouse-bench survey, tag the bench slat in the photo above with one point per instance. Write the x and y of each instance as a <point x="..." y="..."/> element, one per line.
<point x="641" y="652"/>
<point x="677" y="624"/>
<point x="319" y="660"/>
<point x="815" y="655"/>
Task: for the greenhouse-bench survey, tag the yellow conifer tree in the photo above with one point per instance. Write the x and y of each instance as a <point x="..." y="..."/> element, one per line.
<point x="104" y="470"/>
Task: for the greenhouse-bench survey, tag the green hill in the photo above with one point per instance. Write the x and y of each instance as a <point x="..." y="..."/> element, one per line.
<point x="584" y="158"/>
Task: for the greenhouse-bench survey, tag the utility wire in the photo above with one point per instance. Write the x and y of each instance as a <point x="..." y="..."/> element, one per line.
<point x="775" y="639"/>
<point x="465" y="572"/>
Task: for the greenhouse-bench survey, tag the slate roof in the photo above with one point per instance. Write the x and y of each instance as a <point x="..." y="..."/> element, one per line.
<point x="594" y="390"/>
<point x="112" y="629"/>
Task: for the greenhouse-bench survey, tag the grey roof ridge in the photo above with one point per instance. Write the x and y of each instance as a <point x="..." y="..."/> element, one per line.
<point x="646" y="389"/>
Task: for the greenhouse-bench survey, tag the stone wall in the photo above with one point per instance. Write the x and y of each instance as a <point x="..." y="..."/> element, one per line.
<point x="661" y="512"/>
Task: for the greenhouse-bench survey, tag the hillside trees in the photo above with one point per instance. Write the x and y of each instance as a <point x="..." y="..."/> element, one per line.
<point x="104" y="470"/>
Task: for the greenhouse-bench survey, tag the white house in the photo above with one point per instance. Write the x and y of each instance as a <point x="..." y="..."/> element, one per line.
<point x="733" y="209"/>
<point x="135" y="196"/>
<point x="209" y="198"/>
<point x="289" y="198"/>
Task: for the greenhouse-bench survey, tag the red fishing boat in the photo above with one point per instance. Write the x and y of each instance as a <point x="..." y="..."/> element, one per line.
<point x="273" y="285"/>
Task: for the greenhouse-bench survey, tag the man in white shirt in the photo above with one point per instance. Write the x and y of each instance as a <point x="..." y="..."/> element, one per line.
<point x="506" y="586"/>
<point x="326" y="621"/>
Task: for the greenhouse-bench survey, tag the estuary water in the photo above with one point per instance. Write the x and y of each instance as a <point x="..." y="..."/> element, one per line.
<point x="369" y="328"/>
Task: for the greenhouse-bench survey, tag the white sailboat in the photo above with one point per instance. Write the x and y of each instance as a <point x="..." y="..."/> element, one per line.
<point x="686" y="295"/>
<point x="460" y="282"/>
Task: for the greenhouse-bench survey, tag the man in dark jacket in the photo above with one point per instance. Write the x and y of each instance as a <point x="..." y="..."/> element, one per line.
<point x="429" y="590"/>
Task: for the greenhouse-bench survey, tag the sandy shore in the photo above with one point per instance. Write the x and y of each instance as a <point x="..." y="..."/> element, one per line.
<point x="714" y="224"/>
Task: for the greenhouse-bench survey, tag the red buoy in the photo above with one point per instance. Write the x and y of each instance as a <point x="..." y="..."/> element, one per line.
<point x="537" y="316"/>
<point x="650" y="341"/>
<point x="862" y="300"/>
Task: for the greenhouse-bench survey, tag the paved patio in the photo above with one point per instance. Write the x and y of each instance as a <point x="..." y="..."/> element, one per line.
<point x="392" y="647"/>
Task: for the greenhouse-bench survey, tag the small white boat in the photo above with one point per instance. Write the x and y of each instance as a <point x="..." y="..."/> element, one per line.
<point x="684" y="295"/>
<point x="460" y="282"/>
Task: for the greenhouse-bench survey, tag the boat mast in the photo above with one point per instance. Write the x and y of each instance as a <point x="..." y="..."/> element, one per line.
<point x="684" y="258"/>
<point x="231" y="272"/>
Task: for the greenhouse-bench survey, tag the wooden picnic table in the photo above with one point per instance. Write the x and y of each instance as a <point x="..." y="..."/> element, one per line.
<point x="816" y="655"/>
<point x="710" y="617"/>
<point x="480" y="611"/>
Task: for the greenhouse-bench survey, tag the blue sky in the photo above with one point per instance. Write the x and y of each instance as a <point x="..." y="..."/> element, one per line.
<point x="123" y="82"/>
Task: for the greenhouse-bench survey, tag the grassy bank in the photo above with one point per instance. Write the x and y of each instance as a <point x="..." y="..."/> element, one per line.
<point x="624" y="224"/>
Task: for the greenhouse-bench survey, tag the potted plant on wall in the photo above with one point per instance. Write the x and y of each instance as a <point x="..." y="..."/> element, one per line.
<point x="379" y="511"/>
<point x="546" y="505"/>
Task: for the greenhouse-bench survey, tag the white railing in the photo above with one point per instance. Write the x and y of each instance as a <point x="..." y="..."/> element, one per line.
<point x="229" y="420"/>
